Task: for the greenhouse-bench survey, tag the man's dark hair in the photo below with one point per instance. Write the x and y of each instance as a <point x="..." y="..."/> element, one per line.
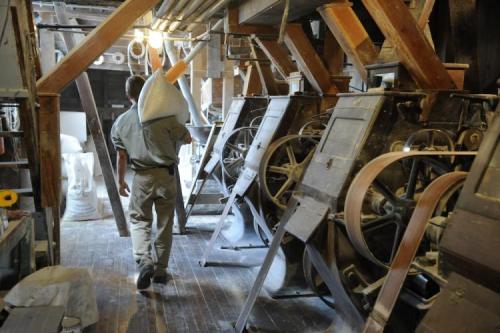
<point x="133" y="87"/>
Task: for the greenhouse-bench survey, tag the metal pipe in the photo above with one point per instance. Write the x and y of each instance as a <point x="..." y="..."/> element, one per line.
<point x="202" y="44"/>
<point x="188" y="11"/>
<point x="203" y="8"/>
<point x="198" y="118"/>
<point x="208" y="13"/>
<point x="165" y="8"/>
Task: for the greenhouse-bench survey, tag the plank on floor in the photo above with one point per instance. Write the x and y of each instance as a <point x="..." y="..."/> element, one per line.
<point x="196" y="299"/>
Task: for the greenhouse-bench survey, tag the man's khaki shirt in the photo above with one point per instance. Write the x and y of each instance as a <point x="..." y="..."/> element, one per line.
<point x="150" y="145"/>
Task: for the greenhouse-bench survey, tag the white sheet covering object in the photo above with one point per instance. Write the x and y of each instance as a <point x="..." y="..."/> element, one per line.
<point x="82" y="203"/>
<point x="58" y="286"/>
<point x="160" y="99"/>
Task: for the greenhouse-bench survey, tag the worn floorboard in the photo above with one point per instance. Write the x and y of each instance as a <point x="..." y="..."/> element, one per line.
<point x="196" y="299"/>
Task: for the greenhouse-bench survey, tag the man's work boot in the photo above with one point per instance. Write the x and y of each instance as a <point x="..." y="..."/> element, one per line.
<point x="145" y="275"/>
<point x="160" y="276"/>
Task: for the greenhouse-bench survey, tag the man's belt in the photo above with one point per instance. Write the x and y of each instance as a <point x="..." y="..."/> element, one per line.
<point x="170" y="168"/>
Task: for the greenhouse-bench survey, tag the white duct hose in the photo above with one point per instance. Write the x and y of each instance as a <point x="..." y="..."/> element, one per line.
<point x="198" y="118"/>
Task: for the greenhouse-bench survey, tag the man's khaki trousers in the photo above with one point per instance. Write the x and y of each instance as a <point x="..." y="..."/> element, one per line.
<point x="153" y="187"/>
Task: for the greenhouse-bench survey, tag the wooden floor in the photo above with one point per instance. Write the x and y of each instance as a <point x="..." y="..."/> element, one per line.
<point x="196" y="300"/>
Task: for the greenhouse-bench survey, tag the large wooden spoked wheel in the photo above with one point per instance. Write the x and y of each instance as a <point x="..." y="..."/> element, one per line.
<point x="283" y="166"/>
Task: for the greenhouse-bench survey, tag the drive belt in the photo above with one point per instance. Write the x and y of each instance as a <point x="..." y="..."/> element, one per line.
<point x="413" y="235"/>
<point x="361" y="185"/>
<point x="407" y="250"/>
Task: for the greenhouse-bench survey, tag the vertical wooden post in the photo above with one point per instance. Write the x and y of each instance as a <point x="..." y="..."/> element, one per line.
<point x="50" y="161"/>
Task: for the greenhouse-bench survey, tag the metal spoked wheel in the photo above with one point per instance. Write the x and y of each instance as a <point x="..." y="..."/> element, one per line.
<point x="235" y="150"/>
<point x="313" y="128"/>
<point x="356" y="273"/>
<point x="283" y="166"/>
<point x="429" y="140"/>
<point x="255" y="122"/>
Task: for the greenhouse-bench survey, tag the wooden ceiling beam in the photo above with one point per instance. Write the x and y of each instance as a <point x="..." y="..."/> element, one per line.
<point x="232" y="24"/>
<point x="94" y="44"/>
<point x="350" y="33"/>
<point x="278" y="55"/>
<point x="412" y="47"/>
<point x="308" y="59"/>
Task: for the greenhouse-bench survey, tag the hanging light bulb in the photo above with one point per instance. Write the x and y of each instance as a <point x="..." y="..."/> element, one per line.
<point x="138" y="35"/>
<point x="155" y="39"/>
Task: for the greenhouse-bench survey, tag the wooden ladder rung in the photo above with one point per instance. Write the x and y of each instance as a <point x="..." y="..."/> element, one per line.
<point x="41" y="246"/>
<point x="23" y="191"/>
<point x="14" y="164"/>
<point x="13" y="134"/>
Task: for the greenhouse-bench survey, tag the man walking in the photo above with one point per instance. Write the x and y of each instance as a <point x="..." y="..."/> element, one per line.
<point x="152" y="150"/>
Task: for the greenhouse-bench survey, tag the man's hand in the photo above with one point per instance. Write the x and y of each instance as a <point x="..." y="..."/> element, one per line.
<point x="124" y="190"/>
<point x="121" y="166"/>
<point x="188" y="139"/>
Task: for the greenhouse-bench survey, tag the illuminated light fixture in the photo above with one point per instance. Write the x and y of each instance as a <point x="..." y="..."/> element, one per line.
<point x="406" y="149"/>
<point x="99" y="60"/>
<point x="155" y="39"/>
<point x="138" y="35"/>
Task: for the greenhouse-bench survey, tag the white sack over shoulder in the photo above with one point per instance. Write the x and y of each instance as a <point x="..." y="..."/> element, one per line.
<point x="160" y="99"/>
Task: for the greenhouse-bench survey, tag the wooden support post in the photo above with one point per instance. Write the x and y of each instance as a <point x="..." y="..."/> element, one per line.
<point x="278" y="55"/>
<point x="93" y="45"/>
<point x="252" y="85"/>
<point x="94" y="125"/>
<point x="412" y="47"/>
<point x="350" y="33"/>
<point x="50" y="161"/>
<point x="308" y="60"/>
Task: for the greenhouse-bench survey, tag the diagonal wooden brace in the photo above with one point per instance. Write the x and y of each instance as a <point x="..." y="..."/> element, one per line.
<point x="93" y="45"/>
<point x="350" y="33"/>
<point x="412" y="47"/>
